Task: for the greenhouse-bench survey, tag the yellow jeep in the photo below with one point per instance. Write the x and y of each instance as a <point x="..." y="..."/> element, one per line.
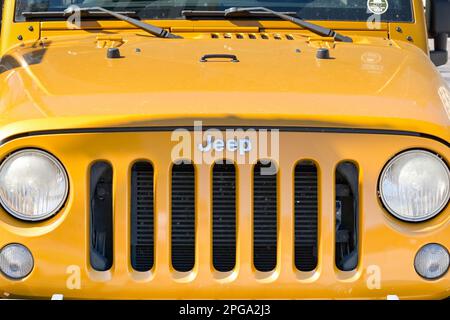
<point x="245" y="149"/>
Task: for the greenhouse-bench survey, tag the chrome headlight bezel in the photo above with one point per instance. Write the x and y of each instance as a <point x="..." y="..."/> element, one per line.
<point x="61" y="203"/>
<point x="382" y="176"/>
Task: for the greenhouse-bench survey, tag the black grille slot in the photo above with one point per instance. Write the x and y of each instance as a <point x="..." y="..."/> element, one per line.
<point x="264" y="217"/>
<point x="142" y="217"/>
<point x="183" y="217"/>
<point x="224" y="217"/>
<point x="306" y="212"/>
<point x="101" y="216"/>
<point x="347" y="216"/>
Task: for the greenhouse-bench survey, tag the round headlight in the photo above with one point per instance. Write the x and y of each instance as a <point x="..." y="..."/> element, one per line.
<point x="432" y="261"/>
<point x="415" y="185"/>
<point x="33" y="185"/>
<point x="16" y="261"/>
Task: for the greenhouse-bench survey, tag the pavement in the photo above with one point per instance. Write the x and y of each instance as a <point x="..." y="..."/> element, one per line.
<point x="445" y="70"/>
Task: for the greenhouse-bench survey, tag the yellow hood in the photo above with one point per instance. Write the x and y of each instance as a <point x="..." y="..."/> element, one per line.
<point x="67" y="82"/>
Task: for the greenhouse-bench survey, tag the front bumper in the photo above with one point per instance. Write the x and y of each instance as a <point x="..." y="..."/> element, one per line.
<point x="60" y="246"/>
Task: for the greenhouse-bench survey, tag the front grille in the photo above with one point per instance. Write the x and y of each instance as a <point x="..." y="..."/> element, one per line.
<point x="183" y="217"/>
<point x="224" y="217"/>
<point x="306" y="214"/>
<point x="264" y="217"/>
<point x="224" y="226"/>
<point x="142" y="216"/>
<point x="97" y="217"/>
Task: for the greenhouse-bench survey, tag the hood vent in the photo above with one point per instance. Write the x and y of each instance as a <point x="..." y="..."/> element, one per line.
<point x="253" y="36"/>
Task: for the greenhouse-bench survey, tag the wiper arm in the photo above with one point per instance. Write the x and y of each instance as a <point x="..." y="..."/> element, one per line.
<point x="101" y="12"/>
<point x="262" y="11"/>
<point x="322" y="31"/>
<point x="154" y="30"/>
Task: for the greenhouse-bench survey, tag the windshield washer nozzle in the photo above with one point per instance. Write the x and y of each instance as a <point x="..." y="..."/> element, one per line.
<point x="323" y="53"/>
<point x="113" y="53"/>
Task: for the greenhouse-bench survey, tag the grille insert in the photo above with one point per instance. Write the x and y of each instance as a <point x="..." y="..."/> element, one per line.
<point x="142" y="217"/>
<point x="306" y="213"/>
<point x="264" y="217"/>
<point x="224" y="217"/>
<point x="347" y="216"/>
<point x="183" y="217"/>
<point x="101" y="216"/>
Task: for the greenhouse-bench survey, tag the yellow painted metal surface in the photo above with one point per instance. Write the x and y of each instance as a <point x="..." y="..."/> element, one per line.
<point x="415" y="33"/>
<point x="56" y="78"/>
<point x="67" y="82"/>
<point x="386" y="243"/>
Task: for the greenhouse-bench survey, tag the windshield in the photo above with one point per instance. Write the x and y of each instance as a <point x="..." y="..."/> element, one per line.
<point x="337" y="10"/>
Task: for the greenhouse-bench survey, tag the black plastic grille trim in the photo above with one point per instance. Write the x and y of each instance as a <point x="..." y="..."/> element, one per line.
<point x="142" y="217"/>
<point x="224" y="217"/>
<point x="347" y="216"/>
<point x="306" y="215"/>
<point x="101" y="216"/>
<point x="183" y="217"/>
<point x="223" y="128"/>
<point x="264" y="219"/>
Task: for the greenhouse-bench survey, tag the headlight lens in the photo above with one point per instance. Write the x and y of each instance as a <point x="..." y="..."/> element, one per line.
<point x="16" y="261"/>
<point x="415" y="185"/>
<point x="33" y="185"/>
<point x="432" y="261"/>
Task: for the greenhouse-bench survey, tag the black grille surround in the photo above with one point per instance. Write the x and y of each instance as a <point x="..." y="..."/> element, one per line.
<point x="142" y="216"/>
<point x="306" y="215"/>
<point x="183" y="217"/>
<point x="265" y="224"/>
<point x="224" y="216"/>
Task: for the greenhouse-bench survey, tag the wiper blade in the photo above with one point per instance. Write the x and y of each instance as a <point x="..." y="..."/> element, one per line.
<point x="235" y="12"/>
<point x="102" y="12"/>
<point x="322" y="31"/>
<point x="210" y="13"/>
<point x="32" y="15"/>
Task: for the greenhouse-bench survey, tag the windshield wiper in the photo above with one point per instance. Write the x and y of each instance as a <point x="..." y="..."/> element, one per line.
<point x="101" y="12"/>
<point x="154" y="30"/>
<point x="322" y="31"/>
<point x="235" y="12"/>
<point x="35" y="15"/>
<point x="220" y="14"/>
